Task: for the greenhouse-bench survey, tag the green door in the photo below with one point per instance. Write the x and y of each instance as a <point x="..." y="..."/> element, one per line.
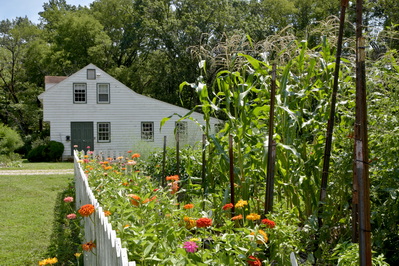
<point x="82" y="135"/>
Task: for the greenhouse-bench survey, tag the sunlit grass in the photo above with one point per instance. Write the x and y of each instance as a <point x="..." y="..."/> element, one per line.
<point x="27" y="214"/>
<point x="41" y="166"/>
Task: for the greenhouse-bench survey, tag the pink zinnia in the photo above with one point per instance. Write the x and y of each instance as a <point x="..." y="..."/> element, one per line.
<point x="190" y="246"/>
<point x="71" y="216"/>
<point x="68" y="199"/>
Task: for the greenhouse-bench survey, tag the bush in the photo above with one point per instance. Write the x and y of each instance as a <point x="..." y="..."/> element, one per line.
<point x="50" y="152"/>
<point x="10" y="140"/>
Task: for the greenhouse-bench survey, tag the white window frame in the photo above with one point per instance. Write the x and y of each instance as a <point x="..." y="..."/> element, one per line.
<point x="147" y="131"/>
<point x="100" y="92"/>
<point x="79" y="91"/>
<point x="103" y="132"/>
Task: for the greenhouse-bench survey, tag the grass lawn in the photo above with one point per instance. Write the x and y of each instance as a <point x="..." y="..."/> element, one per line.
<point x="27" y="213"/>
<point x="40" y="166"/>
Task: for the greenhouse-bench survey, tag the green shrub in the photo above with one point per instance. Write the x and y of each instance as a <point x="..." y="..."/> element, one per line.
<point x="50" y="152"/>
<point x="10" y="140"/>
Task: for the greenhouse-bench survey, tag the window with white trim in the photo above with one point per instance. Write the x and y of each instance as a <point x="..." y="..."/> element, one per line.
<point x="147" y="131"/>
<point x="103" y="95"/>
<point x="79" y="93"/>
<point x="91" y="74"/>
<point x="103" y="132"/>
<point x="182" y="130"/>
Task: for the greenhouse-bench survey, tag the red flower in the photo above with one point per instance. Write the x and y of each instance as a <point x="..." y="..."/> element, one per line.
<point x="228" y="206"/>
<point x="268" y="223"/>
<point x="204" y="222"/>
<point x="254" y="261"/>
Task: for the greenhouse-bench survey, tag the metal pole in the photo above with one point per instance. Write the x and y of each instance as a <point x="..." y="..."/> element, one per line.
<point x="271" y="148"/>
<point x="330" y="124"/>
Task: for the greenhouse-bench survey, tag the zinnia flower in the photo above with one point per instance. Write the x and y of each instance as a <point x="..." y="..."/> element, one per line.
<point x="253" y="216"/>
<point x="86" y="210"/>
<point x="48" y="261"/>
<point x="135" y="155"/>
<point x="241" y="203"/>
<point x="268" y="223"/>
<point x="204" y="222"/>
<point x="190" y="222"/>
<point x="71" y="216"/>
<point x="88" y="246"/>
<point x="228" y="206"/>
<point x="253" y="261"/>
<point x="173" y="178"/>
<point x="238" y="217"/>
<point x="135" y="199"/>
<point x="188" y="206"/>
<point x="107" y="213"/>
<point x="261" y="238"/>
<point x="190" y="246"/>
<point x="68" y="199"/>
<point x="175" y="187"/>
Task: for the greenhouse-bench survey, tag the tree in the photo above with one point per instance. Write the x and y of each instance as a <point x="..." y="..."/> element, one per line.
<point x="18" y="94"/>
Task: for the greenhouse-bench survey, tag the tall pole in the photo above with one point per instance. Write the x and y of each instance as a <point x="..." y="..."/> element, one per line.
<point x="330" y="124"/>
<point x="231" y="156"/>
<point x="361" y="143"/>
<point x="271" y="148"/>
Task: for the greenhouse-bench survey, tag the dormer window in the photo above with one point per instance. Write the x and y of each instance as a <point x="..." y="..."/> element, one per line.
<point x="91" y="74"/>
<point x="103" y="93"/>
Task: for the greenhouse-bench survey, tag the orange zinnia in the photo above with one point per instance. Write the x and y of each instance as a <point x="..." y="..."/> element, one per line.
<point x="238" y="217"/>
<point x="175" y="188"/>
<point x="188" y="206"/>
<point x="136" y="155"/>
<point x="227" y="206"/>
<point x="173" y="178"/>
<point x="86" y="210"/>
<point x="88" y="246"/>
<point x="135" y="199"/>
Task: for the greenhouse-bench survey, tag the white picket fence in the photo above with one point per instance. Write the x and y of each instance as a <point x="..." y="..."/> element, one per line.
<point x="108" y="251"/>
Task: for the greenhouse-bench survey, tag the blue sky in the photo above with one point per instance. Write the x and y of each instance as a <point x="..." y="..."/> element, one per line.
<point x="10" y="9"/>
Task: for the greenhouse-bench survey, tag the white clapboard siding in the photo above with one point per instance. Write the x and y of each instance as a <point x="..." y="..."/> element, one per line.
<point x="126" y="110"/>
<point x="108" y="249"/>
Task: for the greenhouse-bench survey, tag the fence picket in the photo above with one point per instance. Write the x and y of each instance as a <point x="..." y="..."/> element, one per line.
<point x="109" y="249"/>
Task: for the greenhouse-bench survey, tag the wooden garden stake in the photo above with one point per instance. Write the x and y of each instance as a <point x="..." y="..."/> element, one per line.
<point x="271" y="159"/>
<point x="163" y="162"/>
<point x="361" y="144"/>
<point x="231" y="156"/>
<point x="330" y="124"/>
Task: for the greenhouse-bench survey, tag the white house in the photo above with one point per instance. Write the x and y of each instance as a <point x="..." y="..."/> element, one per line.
<point x="91" y="108"/>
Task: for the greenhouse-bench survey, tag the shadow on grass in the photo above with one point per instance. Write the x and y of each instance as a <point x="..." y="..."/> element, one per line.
<point x="65" y="242"/>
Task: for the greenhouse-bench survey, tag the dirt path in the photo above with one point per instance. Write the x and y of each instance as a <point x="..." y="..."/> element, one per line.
<point x="37" y="172"/>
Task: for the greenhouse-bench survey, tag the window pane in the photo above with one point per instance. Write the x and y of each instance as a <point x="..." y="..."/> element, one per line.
<point x="91" y="74"/>
<point x="103" y="132"/>
<point x="182" y="130"/>
<point x="103" y="93"/>
<point x="147" y="131"/>
<point x="79" y="93"/>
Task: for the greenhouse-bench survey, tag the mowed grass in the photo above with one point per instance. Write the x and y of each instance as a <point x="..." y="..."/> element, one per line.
<point x="40" y="166"/>
<point x="27" y="215"/>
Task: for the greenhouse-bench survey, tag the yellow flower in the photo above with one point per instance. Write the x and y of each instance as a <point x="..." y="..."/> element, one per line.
<point x="253" y="216"/>
<point x="48" y="261"/>
<point x="77" y="255"/>
<point x="241" y="203"/>
<point x="190" y="222"/>
<point x="261" y="237"/>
